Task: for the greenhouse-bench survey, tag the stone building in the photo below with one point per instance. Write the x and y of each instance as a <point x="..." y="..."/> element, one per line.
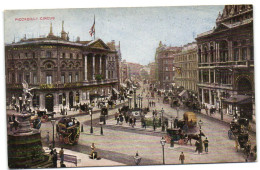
<point x="226" y="62"/>
<point x="165" y="69"/>
<point x="124" y="75"/>
<point x="64" y="73"/>
<point x="186" y="66"/>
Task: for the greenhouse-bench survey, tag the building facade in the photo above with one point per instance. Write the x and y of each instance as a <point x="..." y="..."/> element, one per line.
<point x="186" y="67"/>
<point x="226" y="60"/>
<point x="165" y="68"/>
<point x="124" y="75"/>
<point x="63" y="73"/>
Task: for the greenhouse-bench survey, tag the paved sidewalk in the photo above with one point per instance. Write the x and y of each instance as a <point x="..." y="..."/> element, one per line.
<point x="83" y="160"/>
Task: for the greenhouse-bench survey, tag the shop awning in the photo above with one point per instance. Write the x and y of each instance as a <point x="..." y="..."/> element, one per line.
<point x="183" y="93"/>
<point x="115" y="90"/>
<point x="238" y="99"/>
<point x="173" y="84"/>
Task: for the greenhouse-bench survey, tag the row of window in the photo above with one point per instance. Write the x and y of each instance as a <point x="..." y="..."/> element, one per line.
<point x="239" y="54"/>
<point x="186" y="57"/>
<point x="220" y="77"/>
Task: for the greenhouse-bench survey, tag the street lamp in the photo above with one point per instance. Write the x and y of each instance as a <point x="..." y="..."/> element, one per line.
<point x="53" y="123"/>
<point x="134" y="96"/>
<point x="163" y="141"/>
<point x="137" y="158"/>
<point x="91" y="127"/>
<point x="162" y="123"/>
<point x="221" y="111"/>
<point x="141" y="97"/>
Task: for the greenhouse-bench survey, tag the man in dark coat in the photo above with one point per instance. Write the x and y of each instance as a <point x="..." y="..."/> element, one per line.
<point x="175" y="122"/>
<point x="54" y="158"/>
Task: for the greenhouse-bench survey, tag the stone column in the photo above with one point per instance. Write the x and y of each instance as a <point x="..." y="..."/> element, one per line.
<point x="42" y="101"/>
<point x="210" y="97"/>
<point x="106" y="69"/>
<point x="67" y="99"/>
<point x="202" y="96"/>
<point x="209" y="76"/>
<point x="100" y="65"/>
<point x="214" y="75"/>
<point x="230" y="56"/>
<point x="86" y="68"/>
<point x="93" y="69"/>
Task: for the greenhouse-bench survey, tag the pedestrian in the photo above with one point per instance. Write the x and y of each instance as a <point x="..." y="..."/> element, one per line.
<point x="206" y="144"/>
<point x="182" y="158"/>
<point x="54" y="158"/>
<point x="117" y="120"/>
<point x="197" y="146"/>
<point x="61" y="153"/>
<point x="134" y="120"/>
<point x="175" y="122"/>
<point x="47" y="137"/>
<point x="130" y="121"/>
<point x="207" y="110"/>
<point x="144" y="124"/>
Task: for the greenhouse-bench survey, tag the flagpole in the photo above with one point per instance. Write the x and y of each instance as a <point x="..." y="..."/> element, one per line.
<point x="94" y="29"/>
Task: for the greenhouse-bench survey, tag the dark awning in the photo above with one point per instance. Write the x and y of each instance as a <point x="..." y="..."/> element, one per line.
<point x="238" y="99"/>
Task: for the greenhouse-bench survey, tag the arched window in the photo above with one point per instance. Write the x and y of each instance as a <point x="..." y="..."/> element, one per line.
<point x="205" y="55"/>
<point x="212" y="54"/>
<point x="223" y="50"/>
<point x="199" y="55"/>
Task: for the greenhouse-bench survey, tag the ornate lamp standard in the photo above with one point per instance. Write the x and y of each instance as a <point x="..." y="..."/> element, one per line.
<point x="163" y="141"/>
<point x="141" y="97"/>
<point x="91" y="112"/>
<point x="137" y="158"/>
<point x="134" y="88"/>
<point x="53" y="123"/>
<point x="221" y="111"/>
<point x="162" y="123"/>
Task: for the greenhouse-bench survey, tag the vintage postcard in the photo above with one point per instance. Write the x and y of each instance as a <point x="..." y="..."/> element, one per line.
<point x="130" y="86"/>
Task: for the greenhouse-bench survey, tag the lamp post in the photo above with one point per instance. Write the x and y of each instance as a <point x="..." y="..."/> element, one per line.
<point x="141" y="101"/>
<point x="162" y="123"/>
<point x="137" y="159"/>
<point x="134" y="97"/>
<point x="221" y="111"/>
<point x="91" y="127"/>
<point x="53" y="123"/>
<point x="163" y="141"/>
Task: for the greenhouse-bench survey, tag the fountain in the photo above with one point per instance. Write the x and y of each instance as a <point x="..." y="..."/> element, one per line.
<point x="24" y="144"/>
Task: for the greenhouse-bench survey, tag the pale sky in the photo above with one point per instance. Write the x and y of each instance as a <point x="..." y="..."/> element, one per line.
<point x="139" y="30"/>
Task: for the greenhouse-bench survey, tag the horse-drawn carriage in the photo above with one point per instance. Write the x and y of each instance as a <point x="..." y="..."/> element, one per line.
<point x="189" y="118"/>
<point x="35" y="121"/>
<point x="45" y="115"/>
<point x="238" y="126"/>
<point x="166" y="100"/>
<point x="175" y="135"/>
<point x="68" y="130"/>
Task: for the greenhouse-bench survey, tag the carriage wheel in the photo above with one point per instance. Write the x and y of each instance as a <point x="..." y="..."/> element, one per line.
<point x="66" y="140"/>
<point x="230" y="135"/>
<point x="60" y="138"/>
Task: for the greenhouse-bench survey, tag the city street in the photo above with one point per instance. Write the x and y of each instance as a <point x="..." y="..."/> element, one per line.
<point x="120" y="142"/>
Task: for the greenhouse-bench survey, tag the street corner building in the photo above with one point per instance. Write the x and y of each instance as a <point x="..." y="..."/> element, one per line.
<point x="64" y="73"/>
<point x="226" y="62"/>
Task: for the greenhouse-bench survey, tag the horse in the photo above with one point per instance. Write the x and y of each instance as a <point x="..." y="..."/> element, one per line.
<point x="195" y="137"/>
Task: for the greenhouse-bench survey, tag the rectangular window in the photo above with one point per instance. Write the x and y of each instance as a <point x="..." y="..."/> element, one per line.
<point x="63" y="55"/>
<point x="63" y="78"/>
<point x="20" y="78"/>
<point x="33" y="54"/>
<point x="35" y="79"/>
<point x="60" y="99"/>
<point x="49" y="79"/>
<point x="236" y="54"/>
<point x="71" y="55"/>
<point x="77" y="77"/>
<point x="27" y="78"/>
<point x="48" y="54"/>
<point x="244" y="53"/>
<point x="70" y="78"/>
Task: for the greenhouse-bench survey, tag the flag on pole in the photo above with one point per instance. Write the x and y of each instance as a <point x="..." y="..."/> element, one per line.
<point x="92" y="29"/>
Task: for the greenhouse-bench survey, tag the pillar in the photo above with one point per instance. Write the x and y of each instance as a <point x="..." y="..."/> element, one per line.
<point x="214" y="76"/>
<point x="42" y="101"/>
<point x="100" y="65"/>
<point x="106" y="68"/>
<point x="202" y="95"/>
<point x="86" y="68"/>
<point x="93" y="69"/>
<point x="210" y="97"/>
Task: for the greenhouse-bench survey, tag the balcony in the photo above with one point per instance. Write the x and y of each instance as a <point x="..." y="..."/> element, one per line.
<point x="63" y="85"/>
<point x="241" y="64"/>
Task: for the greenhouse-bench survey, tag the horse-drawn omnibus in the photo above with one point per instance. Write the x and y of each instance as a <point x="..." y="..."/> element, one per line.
<point x="68" y="130"/>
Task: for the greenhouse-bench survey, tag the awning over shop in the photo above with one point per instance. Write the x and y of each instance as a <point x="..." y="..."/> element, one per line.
<point x="183" y="93"/>
<point x="238" y="99"/>
<point x="173" y="84"/>
<point x="115" y="90"/>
